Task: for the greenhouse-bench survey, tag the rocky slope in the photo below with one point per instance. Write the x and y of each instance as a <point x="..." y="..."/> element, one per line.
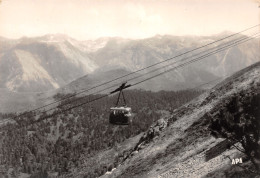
<point x="176" y="146"/>
<point x="41" y="64"/>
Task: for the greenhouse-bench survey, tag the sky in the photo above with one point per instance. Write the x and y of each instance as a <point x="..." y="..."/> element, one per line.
<point x="91" y="19"/>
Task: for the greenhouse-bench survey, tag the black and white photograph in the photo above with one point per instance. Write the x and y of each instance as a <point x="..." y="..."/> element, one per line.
<point x="129" y="88"/>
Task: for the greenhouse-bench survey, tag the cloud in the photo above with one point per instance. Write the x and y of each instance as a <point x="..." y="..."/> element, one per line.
<point x="85" y="19"/>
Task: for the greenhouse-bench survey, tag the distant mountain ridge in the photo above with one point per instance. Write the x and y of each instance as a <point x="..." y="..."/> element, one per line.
<point x="52" y="61"/>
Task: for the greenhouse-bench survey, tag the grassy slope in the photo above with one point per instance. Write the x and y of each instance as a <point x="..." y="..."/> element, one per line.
<point x="179" y="149"/>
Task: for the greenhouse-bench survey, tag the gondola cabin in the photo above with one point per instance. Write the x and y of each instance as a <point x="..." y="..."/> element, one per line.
<point x="120" y="115"/>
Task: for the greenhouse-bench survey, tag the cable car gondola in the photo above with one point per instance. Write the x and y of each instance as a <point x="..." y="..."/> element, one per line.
<point x="120" y="115"/>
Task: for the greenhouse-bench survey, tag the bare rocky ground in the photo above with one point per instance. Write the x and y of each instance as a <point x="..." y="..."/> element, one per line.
<point x="175" y="146"/>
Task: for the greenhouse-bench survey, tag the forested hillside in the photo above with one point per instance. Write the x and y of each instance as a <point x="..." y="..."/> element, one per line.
<point x="55" y="145"/>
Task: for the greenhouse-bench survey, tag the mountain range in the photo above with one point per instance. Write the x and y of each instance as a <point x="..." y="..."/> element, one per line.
<point x="58" y="63"/>
<point x="52" y="61"/>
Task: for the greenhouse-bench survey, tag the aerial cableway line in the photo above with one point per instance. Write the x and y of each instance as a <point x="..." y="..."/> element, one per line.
<point x="180" y="66"/>
<point x="135" y="72"/>
<point x="233" y="43"/>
